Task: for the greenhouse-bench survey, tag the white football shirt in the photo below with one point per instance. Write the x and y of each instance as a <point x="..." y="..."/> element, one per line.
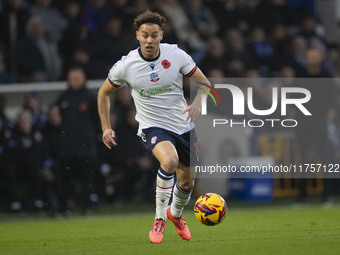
<point x="156" y="86"/>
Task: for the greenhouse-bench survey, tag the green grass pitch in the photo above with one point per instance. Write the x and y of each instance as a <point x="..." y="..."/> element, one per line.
<point x="267" y="230"/>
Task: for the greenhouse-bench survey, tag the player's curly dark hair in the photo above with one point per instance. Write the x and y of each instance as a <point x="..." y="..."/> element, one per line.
<point x="149" y="17"/>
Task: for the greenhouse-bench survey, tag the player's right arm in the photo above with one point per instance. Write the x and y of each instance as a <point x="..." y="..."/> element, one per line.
<point x="104" y="94"/>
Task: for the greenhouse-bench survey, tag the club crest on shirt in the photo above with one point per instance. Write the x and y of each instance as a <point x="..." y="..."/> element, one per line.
<point x="154" y="77"/>
<point x="154" y="140"/>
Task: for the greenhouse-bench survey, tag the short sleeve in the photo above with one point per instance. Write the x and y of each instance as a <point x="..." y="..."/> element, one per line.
<point x="188" y="66"/>
<point x="116" y="74"/>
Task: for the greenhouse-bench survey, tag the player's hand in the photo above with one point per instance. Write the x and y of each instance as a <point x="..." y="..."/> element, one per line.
<point x="108" y="138"/>
<point x="193" y="111"/>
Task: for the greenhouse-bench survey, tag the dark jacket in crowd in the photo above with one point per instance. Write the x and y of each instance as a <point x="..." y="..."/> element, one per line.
<point x="5" y="136"/>
<point x="26" y="146"/>
<point x="80" y="123"/>
<point x="29" y="57"/>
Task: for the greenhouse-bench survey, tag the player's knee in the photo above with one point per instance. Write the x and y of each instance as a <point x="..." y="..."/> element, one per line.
<point x="186" y="185"/>
<point x="169" y="164"/>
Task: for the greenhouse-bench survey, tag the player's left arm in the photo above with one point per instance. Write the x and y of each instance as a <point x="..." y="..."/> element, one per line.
<point x="104" y="94"/>
<point x="194" y="109"/>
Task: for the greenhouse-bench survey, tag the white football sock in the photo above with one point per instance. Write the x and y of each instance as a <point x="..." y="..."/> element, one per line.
<point x="165" y="182"/>
<point x="180" y="199"/>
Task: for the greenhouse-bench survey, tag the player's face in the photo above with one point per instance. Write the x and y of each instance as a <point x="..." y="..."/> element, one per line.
<point x="149" y="37"/>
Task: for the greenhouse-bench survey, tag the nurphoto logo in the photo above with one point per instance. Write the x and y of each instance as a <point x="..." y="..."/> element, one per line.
<point x="287" y="95"/>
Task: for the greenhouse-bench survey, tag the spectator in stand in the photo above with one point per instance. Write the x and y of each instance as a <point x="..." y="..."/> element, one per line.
<point x="311" y="32"/>
<point x="60" y="4"/>
<point x="10" y="9"/>
<point x="77" y="144"/>
<point x="215" y="73"/>
<point x="114" y="164"/>
<point x="170" y="34"/>
<point x="271" y="12"/>
<point x="326" y="64"/>
<point x="53" y="20"/>
<point x="120" y="9"/>
<point x="201" y="19"/>
<point x="302" y="6"/>
<point x="37" y="56"/>
<point x="297" y="58"/>
<point x="184" y="30"/>
<point x="126" y="11"/>
<point x="107" y="47"/>
<point x="128" y="167"/>
<point x="81" y="57"/>
<point x="287" y="72"/>
<point x="314" y="67"/>
<point x="31" y="63"/>
<point x="95" y="13"/>
<point x="137" y="162"/>
<point x="5" y="136"/>
<point x="13" y="19"/>
<point x="243" y="16"/>
<point x="298" y="61"/>
<point x="237" y="53"/>
<point x="122" y="104"/>
<point x="51" y="165"/>
<point x="262" y="52"/>
<point x="235" y="68"/>
<point x="235" y="45"/>
<point x="24" y="165"/>
<point x="33" y="106"/>
<point x="232" y="14"/>
<point x="280" y="42"/>
<point x="6" y="122"/>
<point x="223" y="11"/>
<point x="140" y="6"/>
<point x="4" y="75"/>
<point x="52" y="133"/>
<point x="76" y="33"/>
<point x="215" y="56"/>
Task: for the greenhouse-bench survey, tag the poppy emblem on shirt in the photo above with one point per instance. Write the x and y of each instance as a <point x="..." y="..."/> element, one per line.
<point x="166" y="64"/>
<point x="83" y="107"/>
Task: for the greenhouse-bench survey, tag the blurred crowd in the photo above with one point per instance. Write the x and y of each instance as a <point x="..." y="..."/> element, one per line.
<point x="56" y="159"/>
<point x="42" y="162"/>
<point x="41" y="39"/>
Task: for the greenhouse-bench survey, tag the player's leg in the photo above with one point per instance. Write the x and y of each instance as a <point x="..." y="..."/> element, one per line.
<point x="182" y="190"/>
<point x="166" y="154"/>
<point x="181" y="196"/>
<point x="187" y="149"/>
